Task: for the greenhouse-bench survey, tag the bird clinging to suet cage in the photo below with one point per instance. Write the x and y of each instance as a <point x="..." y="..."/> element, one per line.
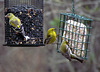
<point x="75" y="29"/>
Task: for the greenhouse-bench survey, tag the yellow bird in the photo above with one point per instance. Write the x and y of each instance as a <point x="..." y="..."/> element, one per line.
<point x="51" y="36"/>
<point x="13" y="20"/>
<point x="67" y="52"/>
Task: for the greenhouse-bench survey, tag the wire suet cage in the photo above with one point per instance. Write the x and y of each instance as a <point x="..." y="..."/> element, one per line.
<point x="76" y="30"/>
<point x="30" y="13"/>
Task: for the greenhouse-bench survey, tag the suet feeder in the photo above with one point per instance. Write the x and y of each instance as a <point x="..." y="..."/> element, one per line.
<point x="30" y="12"/>
<point x="76" y="30"/>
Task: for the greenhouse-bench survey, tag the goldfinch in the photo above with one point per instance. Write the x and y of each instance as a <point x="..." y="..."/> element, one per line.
<point x="67" y="52"/>
<point x="13" y="20"/>
<point x="51" y="36"/>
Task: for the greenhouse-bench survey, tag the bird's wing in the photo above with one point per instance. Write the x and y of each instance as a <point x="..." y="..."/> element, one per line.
<point x="71" y="48"/>
<point x="15" y="21"/>
<point x="47" y="39"/>
<point x="22" y="30"/>
<point x="68" y="53"/>
<point x="68" y="49"/>
<point x="12" y="22"/>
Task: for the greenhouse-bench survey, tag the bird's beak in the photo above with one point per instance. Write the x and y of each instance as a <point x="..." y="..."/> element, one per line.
<point x="6" y="16"/>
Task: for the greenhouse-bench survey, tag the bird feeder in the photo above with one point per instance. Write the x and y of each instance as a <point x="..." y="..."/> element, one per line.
<point x="76" y="30"/>
<point x="30" y="12"/>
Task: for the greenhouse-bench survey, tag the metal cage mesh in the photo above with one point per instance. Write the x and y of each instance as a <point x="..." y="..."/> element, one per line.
<point x="30" y="12"/>
<point x="36" y="3"/>
<point x="76" y="30"/>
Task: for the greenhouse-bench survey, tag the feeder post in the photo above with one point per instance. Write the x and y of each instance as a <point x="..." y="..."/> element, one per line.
<point x="73" y="6"/>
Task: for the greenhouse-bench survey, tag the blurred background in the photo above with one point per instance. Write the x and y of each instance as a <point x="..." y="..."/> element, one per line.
<point x="45" y="58"/>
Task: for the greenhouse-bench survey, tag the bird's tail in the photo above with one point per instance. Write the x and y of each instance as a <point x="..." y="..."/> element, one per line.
<point x="77" y="58"/>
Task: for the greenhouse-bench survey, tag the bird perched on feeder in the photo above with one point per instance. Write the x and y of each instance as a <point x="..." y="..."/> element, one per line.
<point x="51" y="36"/>
<point x="13" y="20"/>
<point x="66" y="51"/>
<point x="16" y="23"/>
